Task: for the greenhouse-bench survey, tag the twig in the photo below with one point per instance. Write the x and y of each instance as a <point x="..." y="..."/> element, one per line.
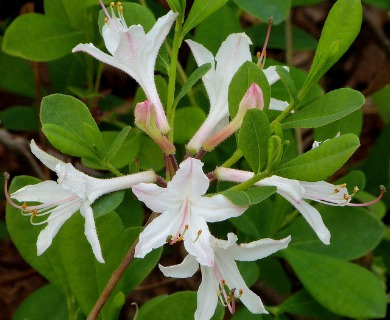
<point x="21" y="146"/>
<point x="115" y="277"/>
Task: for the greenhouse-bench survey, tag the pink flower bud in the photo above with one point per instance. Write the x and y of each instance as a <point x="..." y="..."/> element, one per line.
<point x="253" y="98"/>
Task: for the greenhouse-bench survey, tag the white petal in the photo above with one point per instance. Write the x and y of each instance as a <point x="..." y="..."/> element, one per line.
<point x="216" y="208"/>
<point x="272" y="75"/>
<point x="90" y="231"/>
<point x="229" y="272"/>
<point x="285" y="187"/>
<point x="325" y="192"/>
<point x="189" y="181"/>
<point x="57" y="218"/>
<point x="185" y="269"/>
<point x="199" y="245"/>
<point x="278" y="105"/>
<point x="111" y="37"/>
<point x="47" y="159"/>
<point x="47" y="191"/>
<point x="201" y="54"/>
<point x="156" y="233"/>
<point x="155" y="198"/>
<point x="314" y="219"/>
<point x="207" y="298"/>
<point x="257" y="249"/>
<point x="156" y="36"/>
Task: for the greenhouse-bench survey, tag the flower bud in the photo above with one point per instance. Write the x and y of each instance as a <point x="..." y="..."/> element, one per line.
<point x="253" y="98"/>
<point x="145" y="119"/>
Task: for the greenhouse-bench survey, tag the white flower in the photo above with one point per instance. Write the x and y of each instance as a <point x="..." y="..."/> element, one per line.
<point x="135" y="53"/>
<point x="223" y="280"/>
<point x="73" y="191"/>
<point x="185" y="212"/>
<point x="295" y="192"/>
<point x="234" y="51"/>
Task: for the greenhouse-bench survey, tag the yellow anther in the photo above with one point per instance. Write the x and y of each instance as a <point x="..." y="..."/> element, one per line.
<point x="34" y="212"/>
<point x="223" y="283"/>
<point x="120" y="9"/>
<point x="383" y="188"/>
<point x="346" y="197"/>
<point x="240" y="292"/>
<point x="344" y="185"/>
<point x="105" y="20"/>
<point x="112" y="4"/>
<point x="337" y="190"/>
<point x="355" y="189"/>
<point x="258" y="54"/>
<point x="118" y="4"/>
<point x="199" y="232"/>
<point x="24" y="206"/>
<point x="186" y="227"/>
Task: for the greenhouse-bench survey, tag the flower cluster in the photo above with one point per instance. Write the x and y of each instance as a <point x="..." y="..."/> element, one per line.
<point x="183" y="206"/>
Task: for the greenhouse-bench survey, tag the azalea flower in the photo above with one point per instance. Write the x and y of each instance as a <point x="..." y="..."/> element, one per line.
<point x="223" y="280"/>
<point x="295" y="192"/>
<point x="72" y="192"/>
<point x="234" y="51"/>
<point x="134" y="52"/>
<point x="185" y="212"/>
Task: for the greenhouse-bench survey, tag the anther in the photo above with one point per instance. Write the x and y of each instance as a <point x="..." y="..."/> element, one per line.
<point x="355" y="189"/>
<point x="6" y="175"/>
<point x="346" y="197"/>
<point x="240" y="292"/>
<point x="105" y="20"/>
<point x="118" y="4"/>
<point x="24" y="206"/>
<point x="199" y="233"/>
<point x="337" y="190"/>
<point x="112" y="4"/>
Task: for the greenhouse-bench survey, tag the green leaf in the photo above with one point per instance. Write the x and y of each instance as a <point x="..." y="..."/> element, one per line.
<point x="265" y="9"/>
<point x="117" y="143"/>
<point x="192" y="79"/>
<point x="321" y="162"/>
<point x="40" y="37"/>
<point x="302" y="303"/>
<point x="340" y="30"/>
<point x="175" y="5"/>
<point x="249" y="270"/>
<point x="150" y="155"/>
<point x="70" y="12"/>
<point x="20" y="118"/>
<point x="253" y="138"/>
<point x="247" y="74"/>
<point x="20" y="78"/>
<point x="95" y="139"/>
<point x="67" y="142"/>
<point x="250" y="196"/>
<point x="342" y="287"/>
<point x="70" y="115"/>
<point x="181" y="304"/>
<point x="383" y="4"/>
<point x="288" y="82"/>
<point x="45" y="303"/>
<point x="354" y="232"/>
<point x="107" y="203"/>
<point x="200" y="10"/>
<point x="381" y="99"/>
<point x="326" y="109"/>
<point x="187" y="121"/>
<point x="87" y="277"/>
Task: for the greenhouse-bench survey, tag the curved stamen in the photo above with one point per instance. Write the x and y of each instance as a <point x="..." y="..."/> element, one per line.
<point x="105" y="10"/>
<point x="223" y="297"/>
<point x="383" y="190"/>
<point x="261" y="57"/>
<point x="9" y="200"/>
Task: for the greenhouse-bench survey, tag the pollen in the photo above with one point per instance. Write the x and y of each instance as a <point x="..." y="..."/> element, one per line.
<point x="223" y="282"/>
<point x="346" y="197"/>
<point x="24" y="206"/>
<point x="105" y="20"/>
<point x="240" y="292"/>
<point x="355" y="189"/>
<point x="112" y="4"/>
<point x="337" y="190"/>
<point x="119" y="4"/>
<point x="344" y="185"/>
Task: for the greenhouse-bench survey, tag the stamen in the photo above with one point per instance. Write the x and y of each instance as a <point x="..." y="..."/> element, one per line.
<point x="105" y="10"/>
<point x="199" y="233"/>
<point x="105" y="20"/>
<point x="240" y="292"/>
<point x="337" y="190"/>
<point x="383" y="190"/>
<point x="261" y="59"/>
<point x="9" y="200"/>
<point x="346" y="197"/>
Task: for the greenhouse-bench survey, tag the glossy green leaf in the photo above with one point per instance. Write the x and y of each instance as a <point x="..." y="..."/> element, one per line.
<point x="175" y="5"/>
<point x="45" y="303"/>
<point x="69" y="114"/>
<point x="40" y="37"/>
<point x="20" y="78"/>
<point x="342" y="287"/>
<point x="302" y="303"/>
<point x="95" y="139"/>
<point x="265" y="9"/>
<point x="87" y="277"/>
<point x="200" y="10"/>
<point x="181" y="304"/>
<point x="249" y="196"/>
<point x="382" y="4"/>
<point x="71" y="12"/>
<point x="192" y="79"/>
<point x="354" y="233"/>
<point x="20" y="118"/>
<point x="187" y="121"/>
<point x="321" y="162"/>
<point x="245" y="76"/>
<point x="381" y="99"/>
<point x="150" y="155"/>
<point x="340" y="30"/>
<point x="326" y="109"/>
<point x="253" y="138"/>
<point x="273" y="274"/>
<point x="117" y="143"/>
<point x="287" y="81"/>
<point x="107" y="203"/>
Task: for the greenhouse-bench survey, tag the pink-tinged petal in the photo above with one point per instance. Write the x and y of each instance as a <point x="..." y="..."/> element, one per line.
<point x="257" y="249"/>
<point x="156" y="36"/>
<point x="185" y="269"/>
<point x="47" y="191"/>
<point x="57" y="218"/>
<point x="207" y="298"/>
<point x="229" y="271"/>
<point x="47" y="159"/>
<point x="189" y="181"/>
<point x="199" y="245"/>
<point x="156" y="233"/>
<point x="90" y="231"/>
<point x="155" y="198"/>
<point x="314" y="219"/>
<point x="278" y="105"/>
<point x="216" y="208"/>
